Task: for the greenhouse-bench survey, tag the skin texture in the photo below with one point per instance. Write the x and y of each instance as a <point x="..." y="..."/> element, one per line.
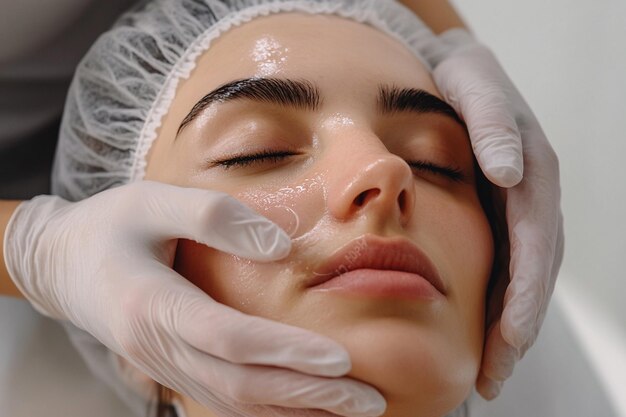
<point x="349" y="178"/>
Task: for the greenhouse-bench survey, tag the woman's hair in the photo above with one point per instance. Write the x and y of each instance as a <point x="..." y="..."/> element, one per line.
<point x="492" y="200"/>
<point x="163" y="403"/>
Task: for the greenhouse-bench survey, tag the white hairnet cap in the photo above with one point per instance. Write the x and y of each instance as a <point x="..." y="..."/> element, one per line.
<point x="126" y="83"/>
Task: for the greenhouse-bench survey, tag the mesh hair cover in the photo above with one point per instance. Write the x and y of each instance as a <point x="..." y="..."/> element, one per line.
<point x="127" y="81"/>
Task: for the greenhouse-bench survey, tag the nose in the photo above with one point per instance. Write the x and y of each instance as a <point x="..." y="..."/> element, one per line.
<point x="378" y="183"/>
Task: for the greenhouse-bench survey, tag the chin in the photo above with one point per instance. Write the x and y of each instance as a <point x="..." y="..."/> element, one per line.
<point x="419" y="369"/>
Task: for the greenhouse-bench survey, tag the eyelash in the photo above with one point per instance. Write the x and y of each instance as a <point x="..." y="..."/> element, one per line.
<point x="253" y="158"/>
<point x="455" y="174"/>
<point x="452" y="173"/>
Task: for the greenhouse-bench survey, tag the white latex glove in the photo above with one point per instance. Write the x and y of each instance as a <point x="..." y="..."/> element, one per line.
<point x="104" y="264"/>
<point x="508" y="142"/>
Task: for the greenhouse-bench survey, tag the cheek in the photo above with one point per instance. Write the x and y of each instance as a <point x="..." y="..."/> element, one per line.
<point x="254" y="288"/>
<point x="297" y="208"/>
<point x="467" y="240"/>
<point x="459" y="237"/>
<point x="262" y="289"/>
<point x="464" y="251"/>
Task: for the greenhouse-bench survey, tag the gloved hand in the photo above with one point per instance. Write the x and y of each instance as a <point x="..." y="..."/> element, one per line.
<point x="508" y="142"/>
<point x="104" y="264"/>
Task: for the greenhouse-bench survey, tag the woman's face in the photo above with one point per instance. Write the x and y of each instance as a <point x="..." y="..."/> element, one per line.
<point x="338" y="173"/>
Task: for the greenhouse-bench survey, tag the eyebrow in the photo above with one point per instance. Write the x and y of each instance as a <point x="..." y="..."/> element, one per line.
<point x="298" y="94"/>
<point x="304" y="95"/>
<point x="392" y="99"/>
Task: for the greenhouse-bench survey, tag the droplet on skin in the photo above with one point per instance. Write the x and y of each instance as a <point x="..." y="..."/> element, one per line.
<point x="269" y="55"/>
<point x="284" y="206"/>
<point x="285" y="217"/>
<point x="337" y="120"/>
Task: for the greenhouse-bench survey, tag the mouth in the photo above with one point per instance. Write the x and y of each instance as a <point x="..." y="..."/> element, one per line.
<point x="377" y="266"/>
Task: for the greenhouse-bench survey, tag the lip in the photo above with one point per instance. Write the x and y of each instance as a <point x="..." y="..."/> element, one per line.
<point x="395" y="259"/>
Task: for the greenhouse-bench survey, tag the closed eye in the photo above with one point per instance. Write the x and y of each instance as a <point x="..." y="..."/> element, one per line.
<point x="451" y="172"/>
<point x="254" y="158"/>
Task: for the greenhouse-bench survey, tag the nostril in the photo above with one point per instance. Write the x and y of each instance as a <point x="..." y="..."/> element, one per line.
<point x="365" y="196"/>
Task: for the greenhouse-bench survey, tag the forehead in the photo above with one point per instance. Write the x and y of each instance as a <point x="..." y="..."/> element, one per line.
<point x="341" y="56"/>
